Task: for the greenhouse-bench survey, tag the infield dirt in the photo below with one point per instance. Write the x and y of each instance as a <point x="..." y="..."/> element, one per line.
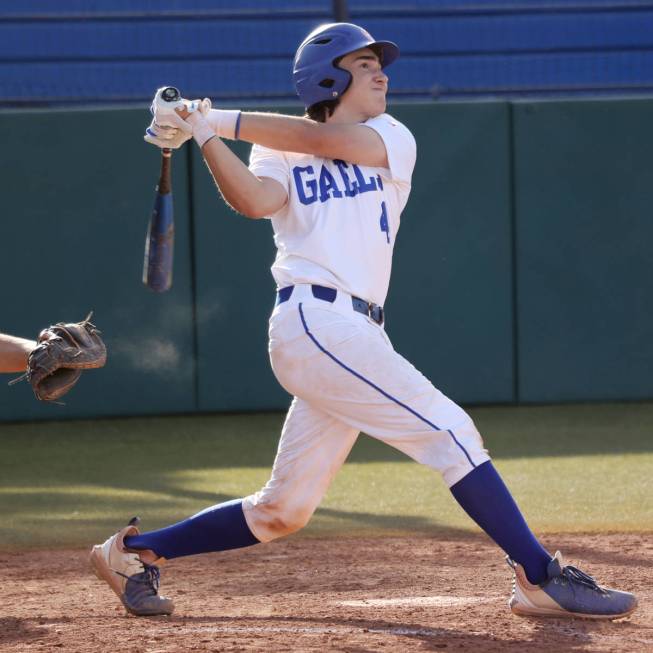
<point x="304" y="594"/>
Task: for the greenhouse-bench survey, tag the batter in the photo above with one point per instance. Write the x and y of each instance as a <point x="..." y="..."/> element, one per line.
<point x="334" y="185"/>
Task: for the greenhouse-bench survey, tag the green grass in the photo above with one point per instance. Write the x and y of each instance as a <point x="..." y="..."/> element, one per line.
<point x="583" y="468"/>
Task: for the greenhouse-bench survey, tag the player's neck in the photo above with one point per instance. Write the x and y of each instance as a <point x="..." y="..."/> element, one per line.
<point x="344" y="115"/>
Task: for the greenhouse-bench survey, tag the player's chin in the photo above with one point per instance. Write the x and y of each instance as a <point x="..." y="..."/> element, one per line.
<point x="379" y="106"/>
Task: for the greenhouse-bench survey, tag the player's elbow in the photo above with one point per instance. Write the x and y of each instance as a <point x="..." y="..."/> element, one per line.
<point x="260" y="199"/>
<point x="256" y="211"/>
<point x="246" y="206"/>
<point x="252" y="210"/>
<point x="265" y="199"/>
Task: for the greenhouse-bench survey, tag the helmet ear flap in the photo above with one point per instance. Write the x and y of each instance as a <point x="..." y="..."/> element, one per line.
<point x="329" y="83"/>
<point x="345" y="78"/>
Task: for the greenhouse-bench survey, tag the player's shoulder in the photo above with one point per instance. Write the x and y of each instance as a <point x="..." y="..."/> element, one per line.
<point x="389" y="121"/>
<point x="261" y="152"/>
<point x="260" y="155"/>
<point x="390" y="125"/>
<point x="258" y="149"/>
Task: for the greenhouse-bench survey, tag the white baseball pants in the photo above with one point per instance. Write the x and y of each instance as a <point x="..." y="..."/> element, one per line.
<point x="346" y="378"/>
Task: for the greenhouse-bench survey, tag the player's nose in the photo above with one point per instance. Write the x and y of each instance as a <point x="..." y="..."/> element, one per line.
<point x="381" y="77"/>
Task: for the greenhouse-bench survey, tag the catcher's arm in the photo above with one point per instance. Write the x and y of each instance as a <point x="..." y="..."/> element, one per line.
<point x="14" y="353"/>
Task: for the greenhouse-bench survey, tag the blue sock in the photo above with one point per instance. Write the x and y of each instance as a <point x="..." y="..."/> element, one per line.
<point x="485" y="498"/>
<point x="217" y="528"/>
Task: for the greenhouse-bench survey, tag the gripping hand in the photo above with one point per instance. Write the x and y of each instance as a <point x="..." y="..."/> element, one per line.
<point x="168" y="129"/>
<point x="166" y="137"/>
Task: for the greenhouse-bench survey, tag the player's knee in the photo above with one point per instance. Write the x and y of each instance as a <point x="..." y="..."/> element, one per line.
<point x="276" y="519"/>
<point x="282" y="526"/>
<point x="287" y="519"/>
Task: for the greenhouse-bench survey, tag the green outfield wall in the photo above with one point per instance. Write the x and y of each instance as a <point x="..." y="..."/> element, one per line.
<point x="522" y="270"/>
<point x="78" y="189"/>
<point x="235" y="295"/>
<point x="584" y="234"/>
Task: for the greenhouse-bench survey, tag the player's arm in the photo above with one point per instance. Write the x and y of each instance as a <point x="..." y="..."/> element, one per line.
<point x="349" y="142"/>
<point x="257" y="197"/>
<point x="14" y="353"/>
<point x="246" y="193"/>
<point x="254" y="197"/>
<point x="353" y="143"/>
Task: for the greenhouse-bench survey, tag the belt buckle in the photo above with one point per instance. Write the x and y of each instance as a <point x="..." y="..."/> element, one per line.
<point x="375" y="312"/>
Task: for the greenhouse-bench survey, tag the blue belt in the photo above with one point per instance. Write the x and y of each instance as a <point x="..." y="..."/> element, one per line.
<point x="373" y="311"/>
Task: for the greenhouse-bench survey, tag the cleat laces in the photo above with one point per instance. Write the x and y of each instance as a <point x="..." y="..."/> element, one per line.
<point x="575" y="575"/>
<point x="150" y="578"/>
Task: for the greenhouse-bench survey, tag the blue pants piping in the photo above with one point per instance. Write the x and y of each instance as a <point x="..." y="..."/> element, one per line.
<point x="376" y="387"/>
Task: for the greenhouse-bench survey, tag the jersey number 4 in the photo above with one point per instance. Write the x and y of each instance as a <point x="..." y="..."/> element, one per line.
<point x="385" y="227"/>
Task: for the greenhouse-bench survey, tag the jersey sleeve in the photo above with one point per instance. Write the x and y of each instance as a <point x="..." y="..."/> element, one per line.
<point x="399" y="144"/>
<point x="264" y="162"/>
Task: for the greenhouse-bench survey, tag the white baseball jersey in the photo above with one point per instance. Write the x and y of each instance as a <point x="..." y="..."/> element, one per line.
<point x="339" y="225"/>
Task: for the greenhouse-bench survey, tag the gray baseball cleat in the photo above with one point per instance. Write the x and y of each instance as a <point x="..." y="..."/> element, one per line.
<point x="567" y="592"/>
<point x="135" y="582"/>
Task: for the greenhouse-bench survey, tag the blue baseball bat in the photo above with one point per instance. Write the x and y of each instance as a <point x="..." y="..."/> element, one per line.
<point x="160" y="239"/>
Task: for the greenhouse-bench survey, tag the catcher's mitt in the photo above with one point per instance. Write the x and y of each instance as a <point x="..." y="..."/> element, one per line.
<point x="62" y="352"/>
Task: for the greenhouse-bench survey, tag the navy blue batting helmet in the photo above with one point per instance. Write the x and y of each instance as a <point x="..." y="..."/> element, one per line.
<point x="315" y="73"/>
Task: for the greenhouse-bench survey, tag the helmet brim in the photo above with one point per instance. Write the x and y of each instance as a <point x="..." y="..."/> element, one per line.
<point x="389" y="51"/>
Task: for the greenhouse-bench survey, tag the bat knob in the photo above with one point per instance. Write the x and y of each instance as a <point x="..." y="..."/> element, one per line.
<point x="170" y="94"/>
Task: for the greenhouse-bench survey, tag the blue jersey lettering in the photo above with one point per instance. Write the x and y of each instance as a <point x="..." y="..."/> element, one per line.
<point x="385" y="227"/>
<point x="364" y="185"/>
<point x="351" y="190"/>
<point x="302" y="186"/>
<point x="328" y="185"/>
<point x="307" y="185"/>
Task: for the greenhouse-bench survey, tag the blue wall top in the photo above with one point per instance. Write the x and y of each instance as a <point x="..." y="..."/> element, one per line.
<point x="105" y="51"/>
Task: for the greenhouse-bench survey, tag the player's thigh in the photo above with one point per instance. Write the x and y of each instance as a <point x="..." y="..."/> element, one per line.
<point x="350" y="371"/>
<point x="312" y="448"/>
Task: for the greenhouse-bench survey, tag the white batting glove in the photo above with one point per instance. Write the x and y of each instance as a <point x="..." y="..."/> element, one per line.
<point x="166" y="137"/>
<point x="165" y="114"/>
<point x="168" y="129"/>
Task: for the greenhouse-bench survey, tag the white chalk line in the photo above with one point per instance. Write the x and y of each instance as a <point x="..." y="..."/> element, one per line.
<point x="410" y="601"/>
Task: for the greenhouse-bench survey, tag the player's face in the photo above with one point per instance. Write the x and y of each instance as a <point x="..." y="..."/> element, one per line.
<point x="369" y="84"/>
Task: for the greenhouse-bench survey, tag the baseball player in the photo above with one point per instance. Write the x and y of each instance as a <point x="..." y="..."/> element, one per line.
<point x="14" y="353"/>
<point x="334" y="184"/>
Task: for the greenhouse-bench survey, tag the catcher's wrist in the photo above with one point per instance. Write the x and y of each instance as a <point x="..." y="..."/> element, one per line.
<point x="225" y="122"/>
